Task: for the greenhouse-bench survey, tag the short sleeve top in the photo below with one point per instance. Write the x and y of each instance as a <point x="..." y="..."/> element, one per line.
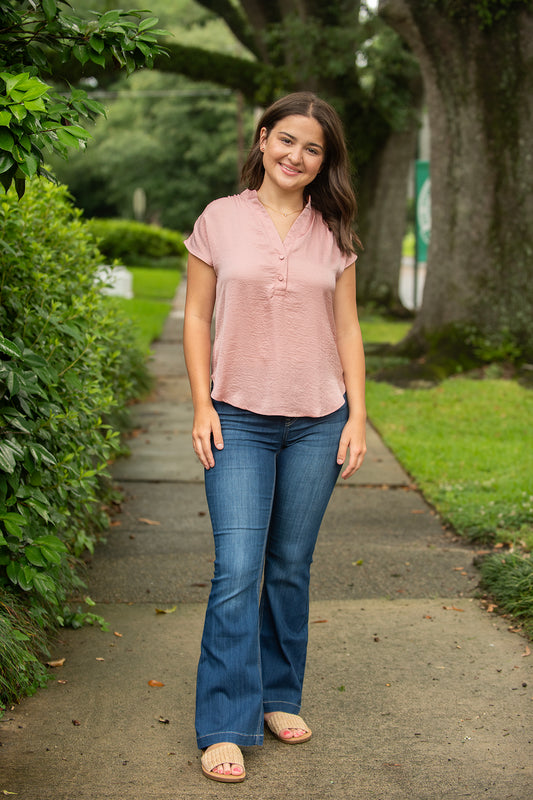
<point x="275" y="349"/>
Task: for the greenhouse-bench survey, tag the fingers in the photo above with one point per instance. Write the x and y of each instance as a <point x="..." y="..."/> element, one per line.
<point x="356" y="448"/>
<point x="207" y="431"/>
<point x="354" y="463"/>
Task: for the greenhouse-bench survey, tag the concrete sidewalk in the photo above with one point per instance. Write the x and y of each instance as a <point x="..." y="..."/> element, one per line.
<point x="412" y="690"/>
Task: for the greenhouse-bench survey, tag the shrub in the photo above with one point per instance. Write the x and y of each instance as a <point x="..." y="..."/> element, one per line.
<point x="133" y="243"/>
<point x="68" y="367"/>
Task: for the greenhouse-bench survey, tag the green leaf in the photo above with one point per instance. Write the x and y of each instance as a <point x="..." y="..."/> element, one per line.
<point x="6" y="140"/>
<point x="51" y="556"/>
<point x="40" y="454"/>
<point x="108" y="18"/>
<point x="6" y="162"/>
<point x="97" y="58"/>
<point x="35" y="105"/>
<point x="148" y="23"/>
<point x="18" y="111"/>
<point x="51" y="543"/>
<point x="29" y="165"/>
<point x="12" y="571"/>
<point x="7" y="458"/>
<point x="5" y="117"/>
<point x="49" y="8"/>
<point x="37" y="89"/>
<point x="25" y="577"/>
<point x="11" y="516"/>
<point x="9" y="348"/>
<point x="34" y="556"/>
<point x="80" y="53"/>
<point x="13" y="80"/>
<point x="66" y="138"/>
<point x="78" y="131"/>
<point x="97" y="43"/>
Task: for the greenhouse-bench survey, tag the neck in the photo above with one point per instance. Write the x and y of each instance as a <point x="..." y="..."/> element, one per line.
<point x="282" y="203"/>
<point x="275" y="196"/>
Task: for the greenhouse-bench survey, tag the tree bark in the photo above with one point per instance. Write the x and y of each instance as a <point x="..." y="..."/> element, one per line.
<point x="479" y="89"/>
<point x="383" y="201"/>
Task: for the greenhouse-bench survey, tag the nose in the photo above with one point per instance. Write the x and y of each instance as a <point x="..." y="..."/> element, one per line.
<point x="295" y="154"/>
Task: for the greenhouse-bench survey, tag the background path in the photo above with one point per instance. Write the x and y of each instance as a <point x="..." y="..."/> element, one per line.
<point x="412" y="690"/>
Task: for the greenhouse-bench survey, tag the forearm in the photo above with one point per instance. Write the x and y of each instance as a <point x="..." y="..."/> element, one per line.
<point x="197" y="350"/>
<point x="352" y="357"/>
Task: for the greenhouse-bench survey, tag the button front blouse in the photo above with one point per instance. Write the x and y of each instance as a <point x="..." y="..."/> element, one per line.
<point x="274" y="351"/>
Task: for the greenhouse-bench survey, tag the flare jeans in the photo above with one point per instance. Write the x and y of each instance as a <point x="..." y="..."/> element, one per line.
<point x="267" y="495"/>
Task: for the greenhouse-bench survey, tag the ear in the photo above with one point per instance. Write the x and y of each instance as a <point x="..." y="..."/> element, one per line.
<point x="263" y="136"/>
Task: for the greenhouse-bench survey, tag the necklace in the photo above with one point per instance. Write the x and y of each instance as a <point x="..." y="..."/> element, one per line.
<point x="276" y="211"/>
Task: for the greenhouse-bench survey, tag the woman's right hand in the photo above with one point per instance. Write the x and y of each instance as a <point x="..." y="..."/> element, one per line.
<point x="206" y="430"/>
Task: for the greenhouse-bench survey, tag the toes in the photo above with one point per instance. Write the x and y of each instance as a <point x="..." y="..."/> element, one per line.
<point x="293" y="733"/>
<point x="228" y="769"/>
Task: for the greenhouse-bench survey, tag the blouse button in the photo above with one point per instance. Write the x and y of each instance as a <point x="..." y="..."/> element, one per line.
<point x="280" y="277"/>
<point x="281" y="258"/>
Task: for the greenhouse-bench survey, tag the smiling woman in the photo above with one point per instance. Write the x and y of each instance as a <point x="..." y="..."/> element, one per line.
<point x="278" y="406"/>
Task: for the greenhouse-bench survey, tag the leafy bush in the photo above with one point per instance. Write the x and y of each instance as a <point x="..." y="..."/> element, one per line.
<point x="135" y="243"/>
<point x="68" y="367"/>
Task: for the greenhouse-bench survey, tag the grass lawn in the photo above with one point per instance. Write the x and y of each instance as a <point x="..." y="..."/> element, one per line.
<point x="468" y="445"/>
<point x="153" y="290"/>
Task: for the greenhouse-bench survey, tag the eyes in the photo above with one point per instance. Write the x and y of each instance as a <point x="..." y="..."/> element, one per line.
<point x="311" y="149"/>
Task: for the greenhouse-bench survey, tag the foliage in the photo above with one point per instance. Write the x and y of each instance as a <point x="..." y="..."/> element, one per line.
<point x="509" y="580"/>
<point x="34" y="117"/>
<point x="468" y="445"/>
<point x="68" y="367"/>
<point x="133" y="242"/>
<point x="488" y="12"/>
<point x="177" y="141"/>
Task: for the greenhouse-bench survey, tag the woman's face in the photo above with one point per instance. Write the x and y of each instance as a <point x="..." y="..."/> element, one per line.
<point x="293" y="152"/>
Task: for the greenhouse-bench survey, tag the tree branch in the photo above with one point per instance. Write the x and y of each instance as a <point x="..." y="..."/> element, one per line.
<point x="249" y="77"/>
<point x="236" y="22"/>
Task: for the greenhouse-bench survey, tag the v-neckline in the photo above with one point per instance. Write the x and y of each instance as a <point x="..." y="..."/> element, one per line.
<point x="281" y="240"/>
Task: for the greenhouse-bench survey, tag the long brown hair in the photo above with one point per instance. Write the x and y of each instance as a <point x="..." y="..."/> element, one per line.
<point x="331" y="191"/>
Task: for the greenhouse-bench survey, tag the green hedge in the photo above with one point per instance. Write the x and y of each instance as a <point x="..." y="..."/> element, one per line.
<point x="68" y="367"/>
<point x="133" y="243"/>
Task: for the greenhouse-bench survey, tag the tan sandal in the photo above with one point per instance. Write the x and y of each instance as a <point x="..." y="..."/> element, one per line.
<point x="226" y="753"/>
<point x="280" y="721"/>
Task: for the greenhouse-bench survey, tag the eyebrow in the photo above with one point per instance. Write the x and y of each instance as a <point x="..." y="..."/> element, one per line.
<point x="309" y="144"/>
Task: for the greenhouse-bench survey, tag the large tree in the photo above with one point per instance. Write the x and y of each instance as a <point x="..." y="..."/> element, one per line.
<point x="476" y="60"/>
<point x="291" y="45"/>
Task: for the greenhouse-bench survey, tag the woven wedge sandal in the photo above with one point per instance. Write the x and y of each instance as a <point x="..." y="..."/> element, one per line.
<point x="280" y="721"/>
<point x="227" y="753"/>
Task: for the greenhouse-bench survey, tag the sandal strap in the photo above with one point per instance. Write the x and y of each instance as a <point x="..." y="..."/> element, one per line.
<point x="280" y="721"/>
<point x="223" y="754"/>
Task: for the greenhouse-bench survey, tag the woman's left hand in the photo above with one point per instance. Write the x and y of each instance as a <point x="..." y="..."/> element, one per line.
<point x="353" y="439"/>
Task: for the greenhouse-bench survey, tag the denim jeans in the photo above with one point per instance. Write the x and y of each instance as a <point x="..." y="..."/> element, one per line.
<point x="267" y="495"/>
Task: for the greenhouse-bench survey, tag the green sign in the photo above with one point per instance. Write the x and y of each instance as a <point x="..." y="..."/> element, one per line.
<point x="423" y="209"/>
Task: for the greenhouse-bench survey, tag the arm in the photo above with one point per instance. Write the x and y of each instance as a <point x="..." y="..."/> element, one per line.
<point x="352" y="356"/>
<point x="199" y="306"/>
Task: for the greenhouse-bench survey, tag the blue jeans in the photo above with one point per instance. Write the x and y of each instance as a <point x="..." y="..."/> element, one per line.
<point x="267" y="495"/>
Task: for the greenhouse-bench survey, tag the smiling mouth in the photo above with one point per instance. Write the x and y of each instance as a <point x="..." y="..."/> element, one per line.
<point x="292" y="170"/>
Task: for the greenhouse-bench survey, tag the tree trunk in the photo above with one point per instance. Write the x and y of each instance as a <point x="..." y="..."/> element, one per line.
<point x="383" y="202"/>
<point x="479" y="90"/>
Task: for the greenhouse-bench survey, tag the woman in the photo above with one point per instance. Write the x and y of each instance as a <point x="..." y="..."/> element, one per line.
<point x="278" y="405"/>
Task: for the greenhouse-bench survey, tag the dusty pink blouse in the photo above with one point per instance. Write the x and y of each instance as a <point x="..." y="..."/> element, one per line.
<point x="274" y="351"/>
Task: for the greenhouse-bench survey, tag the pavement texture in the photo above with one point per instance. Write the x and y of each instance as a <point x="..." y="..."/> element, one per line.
<point x="413" y="691"/>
